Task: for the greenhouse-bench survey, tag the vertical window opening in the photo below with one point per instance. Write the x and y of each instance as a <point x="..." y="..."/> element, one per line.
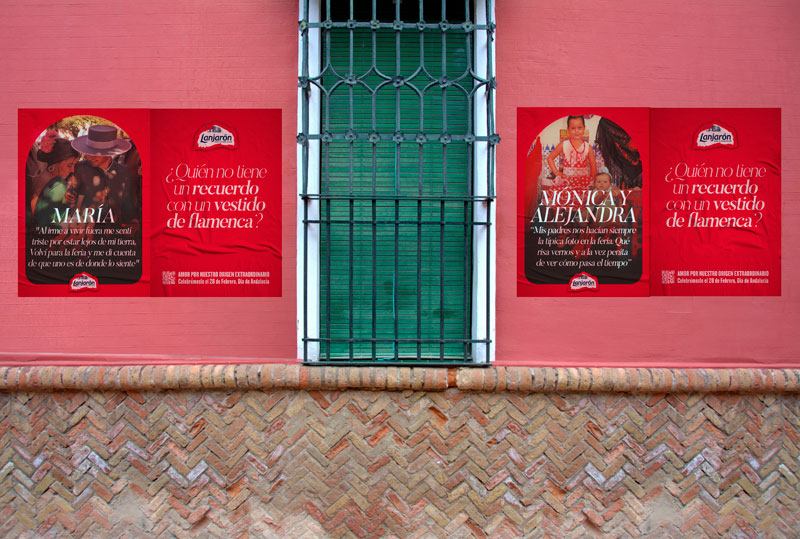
<point x="395" y="211"/>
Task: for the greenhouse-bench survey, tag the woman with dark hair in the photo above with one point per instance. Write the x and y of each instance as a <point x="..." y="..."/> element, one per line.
<point x="52" y="193"/>
<point x="35" y="169"/>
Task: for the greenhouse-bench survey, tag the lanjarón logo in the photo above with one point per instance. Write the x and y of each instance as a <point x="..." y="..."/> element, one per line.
<point x="582" y="281"/>
<point x="83" y="281"/>
<point x="215" y="135"/>
<point x="715" y="135"/>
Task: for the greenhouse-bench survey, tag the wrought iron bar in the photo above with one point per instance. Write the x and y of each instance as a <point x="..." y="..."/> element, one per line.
<point x="362" y="138"/>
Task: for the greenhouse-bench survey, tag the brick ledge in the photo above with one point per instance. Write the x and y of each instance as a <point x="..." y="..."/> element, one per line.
<point x="287" y="376"/>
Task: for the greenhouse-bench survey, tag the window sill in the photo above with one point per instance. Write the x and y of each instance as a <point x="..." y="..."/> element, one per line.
<point x="490" y="379"/>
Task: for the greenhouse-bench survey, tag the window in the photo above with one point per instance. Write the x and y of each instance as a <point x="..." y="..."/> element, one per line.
<point x="396" y="168"/>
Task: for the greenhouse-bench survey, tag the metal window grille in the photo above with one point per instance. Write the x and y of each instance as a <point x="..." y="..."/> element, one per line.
<point x="395" y="107"/>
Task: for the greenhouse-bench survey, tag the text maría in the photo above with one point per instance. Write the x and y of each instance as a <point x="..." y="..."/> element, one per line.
<point x="88" y="215"/>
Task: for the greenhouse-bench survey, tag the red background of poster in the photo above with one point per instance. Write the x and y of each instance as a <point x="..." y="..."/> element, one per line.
<point x="136" y="124"/>
<point x="217" y="249"/>
<point x="530" y="122"/>
<point x="757" y="134"/>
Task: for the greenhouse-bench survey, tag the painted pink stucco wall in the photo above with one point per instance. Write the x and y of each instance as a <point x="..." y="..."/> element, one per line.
<point x="643" y="54"/>
<point x="214" y="54"/>
<point x="129" y="54"/>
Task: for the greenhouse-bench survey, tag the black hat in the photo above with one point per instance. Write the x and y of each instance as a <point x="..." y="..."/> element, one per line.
<point x="101" y="140"/>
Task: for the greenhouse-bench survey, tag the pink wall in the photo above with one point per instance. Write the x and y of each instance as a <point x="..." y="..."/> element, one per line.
<point x="183" y="54"/>
<point x="211" y="54"/>
<point x="641" y="54"/>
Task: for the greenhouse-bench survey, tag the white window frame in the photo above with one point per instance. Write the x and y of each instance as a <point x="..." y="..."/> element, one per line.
<point x="308" y="319"/>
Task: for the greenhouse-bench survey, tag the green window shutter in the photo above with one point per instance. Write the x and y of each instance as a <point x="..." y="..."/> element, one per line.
<point x="395" y="195"/>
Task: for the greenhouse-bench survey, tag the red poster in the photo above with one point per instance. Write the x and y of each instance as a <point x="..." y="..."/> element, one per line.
<point x="216" y="202"/>
<point x="716" y="202"/>
<point x="83" y="176"/>
<point x="611" y="203"/>
<point x="138" y="202"/>
<point x="582" y="202"/>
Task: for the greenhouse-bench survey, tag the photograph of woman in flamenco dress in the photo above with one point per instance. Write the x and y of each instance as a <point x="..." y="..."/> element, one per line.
<point x="583" y="207"/>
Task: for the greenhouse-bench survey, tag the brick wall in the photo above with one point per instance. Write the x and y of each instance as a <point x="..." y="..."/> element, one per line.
<point x="450" y="460"/>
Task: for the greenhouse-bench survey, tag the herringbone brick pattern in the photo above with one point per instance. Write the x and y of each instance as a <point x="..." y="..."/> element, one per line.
<point x="407" y="464"/>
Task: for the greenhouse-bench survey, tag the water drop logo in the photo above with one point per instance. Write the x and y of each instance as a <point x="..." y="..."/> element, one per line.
<point x="83" y="281"/>
<point x="582" y="281"/>
<point x="215" y="135"/>
<point x="714" y="135"/>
